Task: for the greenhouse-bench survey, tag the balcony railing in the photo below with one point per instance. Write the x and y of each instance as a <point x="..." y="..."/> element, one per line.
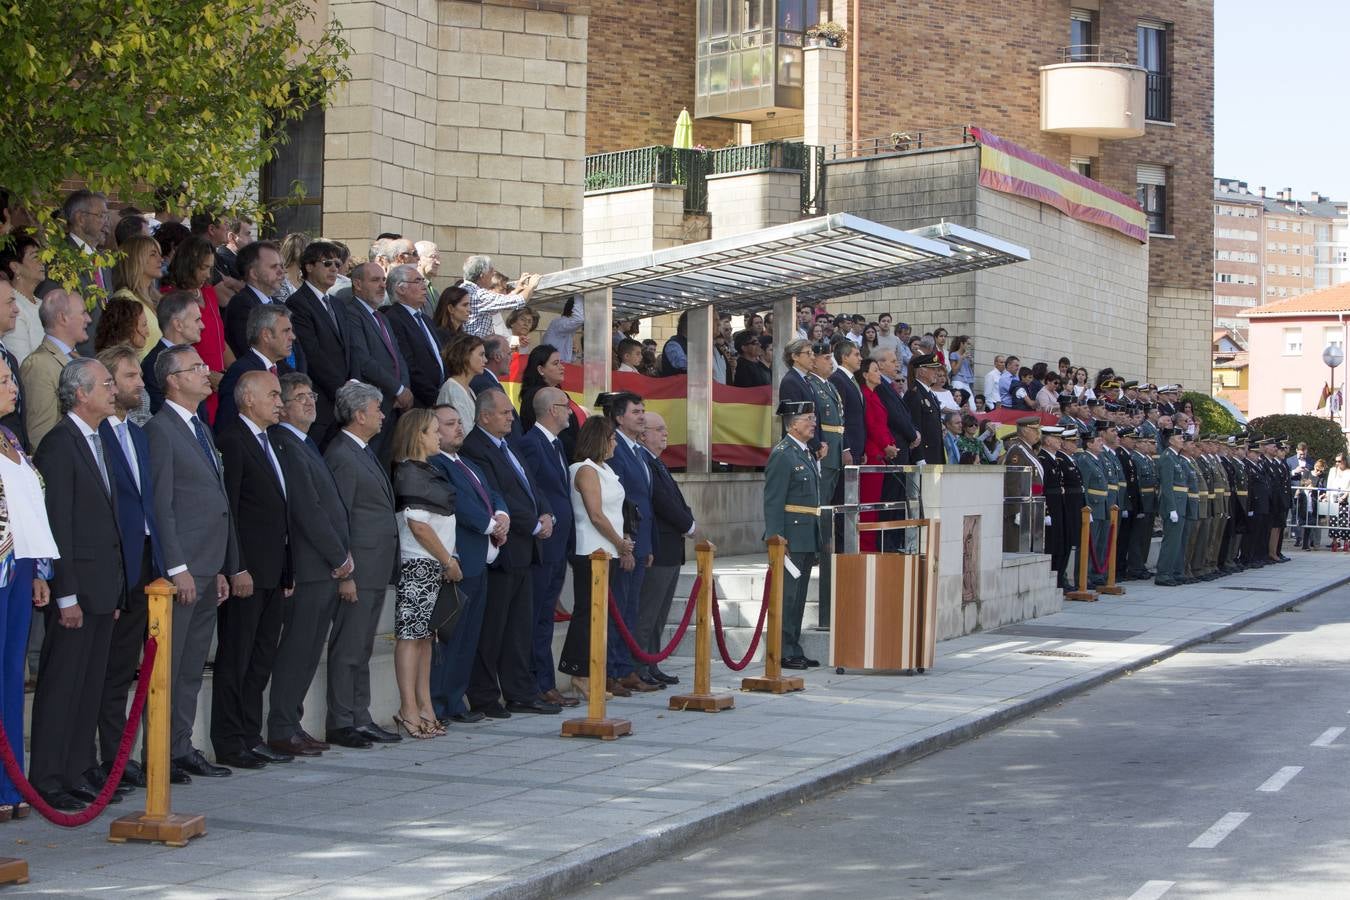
<point x="903" y="142"/>
<point x="1158" y="97"/>
<point x="1097" y="53"/>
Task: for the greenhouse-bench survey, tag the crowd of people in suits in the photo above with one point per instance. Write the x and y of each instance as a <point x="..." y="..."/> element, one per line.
<point x="335" y="441"/>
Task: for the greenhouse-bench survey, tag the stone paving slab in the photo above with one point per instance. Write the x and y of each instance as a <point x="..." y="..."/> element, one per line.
<point x="511" y="809"/>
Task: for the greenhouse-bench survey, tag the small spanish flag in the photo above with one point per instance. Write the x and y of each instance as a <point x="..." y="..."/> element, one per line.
<point x="1326" y="395"/>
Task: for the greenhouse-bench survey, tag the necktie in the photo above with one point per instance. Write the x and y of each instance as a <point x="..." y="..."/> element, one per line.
<point x="271" y="460"/>
<point x="96" y="444"/>
<point x="328" y="308"/>
<point x="124" y="438"/>
<point x="520" y="473"/>
<point x="309" y="442"/>
<point x="388" y="342"/>
<point x="273" y="369"/>
<point x="98" y="277"/>
<point x="370" y="452"/>
<point x="431" y="339"/>
<point x="562" y="460"/>
<point x="205" y="443"/>
<point x="477" y="485"/>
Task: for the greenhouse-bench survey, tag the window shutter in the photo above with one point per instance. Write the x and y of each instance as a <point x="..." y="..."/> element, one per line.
<point x="1150" y="174"/>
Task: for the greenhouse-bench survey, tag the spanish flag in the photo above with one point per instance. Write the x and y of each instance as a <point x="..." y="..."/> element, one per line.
<point x="1326" y="395"/>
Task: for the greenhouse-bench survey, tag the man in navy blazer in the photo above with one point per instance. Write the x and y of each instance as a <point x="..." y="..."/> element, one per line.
<point x="270" y="337"/>
<point x="903" y="435"/>
<point x="628" y="415"/>
<point x="375" y="351"/>
<point x="674" y="523"/>
<point x="127" y="451"/>
<point x="417" y="341"/>
<point x="542" y="454"/>
<point x="480" y="528"/>
<point x="322" y="334"/>
<point x="848" y="358"/>
<point x="262" y="270"/>
<point x="502" y="667"/>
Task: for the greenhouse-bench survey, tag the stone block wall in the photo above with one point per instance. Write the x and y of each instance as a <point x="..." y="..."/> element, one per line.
<point x="746" y="201"/>
<point x="1180" y="324"/>
<point x="622" y="222"/>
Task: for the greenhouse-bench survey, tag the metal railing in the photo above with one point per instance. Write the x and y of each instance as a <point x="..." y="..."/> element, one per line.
<point x="902" y="142"/>
<point x="1158" y="97"/>
<point x="1095" y="53"/>
<point x="1023" y="513"/>
<point x="911" y="507"/>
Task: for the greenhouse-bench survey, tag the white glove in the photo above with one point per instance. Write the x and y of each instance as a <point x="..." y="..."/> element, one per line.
<point x="1017" y="518"/>
<point x="1047" y="520"/>
<point x="1089" y="518"/>
<point x="1124" y="513"/>
<point x="1172" y="515"/>
<point x="1252" y="513"/>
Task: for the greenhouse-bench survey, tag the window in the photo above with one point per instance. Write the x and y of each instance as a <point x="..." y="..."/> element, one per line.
<point x="1082" y="35"/>
<point x="1152" y="55"/>
<point x="1152" y="196"/>
<point x="1293" y="342"/>
<point x="1333" y="336"/>
<point x="299" y="161"/>
<point x="1082" y="165"/>
<point x="1293" y="401"/>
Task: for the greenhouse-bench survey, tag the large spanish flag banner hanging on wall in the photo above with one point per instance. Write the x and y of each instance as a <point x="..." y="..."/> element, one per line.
<point x="742" y="422"/>
<point x="1013" y="169"/>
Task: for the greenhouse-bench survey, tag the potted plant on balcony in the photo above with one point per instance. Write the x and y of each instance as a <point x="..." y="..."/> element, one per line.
<point x="826" y="34"/>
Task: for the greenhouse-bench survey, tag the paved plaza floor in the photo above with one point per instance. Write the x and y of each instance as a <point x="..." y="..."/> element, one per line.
<point x="510" y="808"/>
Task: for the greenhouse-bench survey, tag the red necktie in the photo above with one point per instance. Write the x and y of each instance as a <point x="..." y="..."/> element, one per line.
<point x="272" y="368"/>
<point x="482" y="494"/>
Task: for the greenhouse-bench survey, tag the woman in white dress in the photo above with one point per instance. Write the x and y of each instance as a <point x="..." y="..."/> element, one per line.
<point x="465" y="359"/>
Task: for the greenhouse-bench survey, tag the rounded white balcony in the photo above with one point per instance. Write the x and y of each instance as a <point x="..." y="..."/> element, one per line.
<point x="1093" y="99"/>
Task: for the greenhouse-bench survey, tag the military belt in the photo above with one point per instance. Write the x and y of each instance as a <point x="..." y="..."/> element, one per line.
<point x="1181" y="489"/>
<point x="1192" y="496"/>
<point x="833" y="429"/>
<point x="1242" y="493"/>
<point x="1147" y="490"/>
<point x="804" y="510"/>
<point x="1096" y="493"/>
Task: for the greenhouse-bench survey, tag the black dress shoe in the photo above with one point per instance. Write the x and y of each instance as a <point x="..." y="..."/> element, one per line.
<point x="468" y="718"/>
<point x="265" y="752"/>
<point x="177" y="775"/>
<point x="811" y="663"/>
<point x="62" y="801"/>
<point x="377" y="734"/>
<point x="663" y="677"/>
<point x="133" y="774"/>
<point x="495" y="711"/>
<point x="795" y="662"/>
<point x="349" y="737"/>
<point x="244" y="759"/>
<point x="196" y="764"/>
<point x="87" y="793"/>
<point x="97" y="778"/>
<point x="653" y="681"/>
<point x="533" y="706"/>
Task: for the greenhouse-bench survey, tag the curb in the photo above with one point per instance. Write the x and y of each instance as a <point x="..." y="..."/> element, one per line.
<point x="550" y="879"/>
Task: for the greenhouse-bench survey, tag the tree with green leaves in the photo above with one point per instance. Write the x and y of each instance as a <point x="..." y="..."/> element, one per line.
<point x="131" y="96"/>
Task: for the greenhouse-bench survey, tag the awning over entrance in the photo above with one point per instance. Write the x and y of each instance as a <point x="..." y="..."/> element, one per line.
<point x="813" y="260"/>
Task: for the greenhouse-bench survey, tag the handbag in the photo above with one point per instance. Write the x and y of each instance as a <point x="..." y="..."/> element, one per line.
<point x="447" y="611"/>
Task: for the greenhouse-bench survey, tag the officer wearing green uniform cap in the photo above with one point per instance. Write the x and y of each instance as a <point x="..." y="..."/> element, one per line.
<point x="1173" y="482"/>
<point x="791" y="510"/>
<point x="829" y="410"/>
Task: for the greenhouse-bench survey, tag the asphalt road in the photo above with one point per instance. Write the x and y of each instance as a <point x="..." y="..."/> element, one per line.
<point x="1221" y="772"/>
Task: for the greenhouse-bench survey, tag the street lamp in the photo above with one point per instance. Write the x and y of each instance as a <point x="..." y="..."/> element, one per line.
<point x="1333" y="356"/>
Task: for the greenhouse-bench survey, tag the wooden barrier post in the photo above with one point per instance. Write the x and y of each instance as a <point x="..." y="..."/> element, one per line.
<point x="595" y="723"/>
<point x="1084" y="552"/>
<point x="156" y="822"/>
<point x="703" y="699"/>
<point x="773" y="681"/>
<point x="1111" y="587"/>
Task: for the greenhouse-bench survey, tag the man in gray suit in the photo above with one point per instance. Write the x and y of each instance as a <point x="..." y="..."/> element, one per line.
<point x="197" y="535"/>
<point x="369" y="498"/>
<point x="319" y="559"/>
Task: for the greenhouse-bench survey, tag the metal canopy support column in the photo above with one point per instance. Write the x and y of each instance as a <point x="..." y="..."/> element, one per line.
<point x="698" y="415"/>
<point x="597" y="344"/>
<point x="785" y="332"/>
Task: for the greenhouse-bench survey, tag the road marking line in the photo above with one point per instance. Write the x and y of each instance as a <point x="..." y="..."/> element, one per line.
<point x="1152" y="890"/>
<point x="1280" y="779"/>
<point x="1221" y="829"/>
<point x="1326" y="738"/>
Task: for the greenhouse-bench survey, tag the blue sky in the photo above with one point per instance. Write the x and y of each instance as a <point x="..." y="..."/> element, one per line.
<point x="1279" y="94"/>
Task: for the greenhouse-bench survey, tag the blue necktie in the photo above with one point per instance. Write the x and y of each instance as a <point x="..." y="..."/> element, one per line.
<point x="557" y="445"/>
<point x="309" y="442"/>
<point x="520" y="473"/>
<point x="435" y="346"/>
<point x="205" y="443"/>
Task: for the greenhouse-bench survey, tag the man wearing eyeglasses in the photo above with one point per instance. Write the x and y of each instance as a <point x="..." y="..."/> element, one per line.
<point x="407" y="318"/>
<point x="321" y="330"/>
<point x="197" y="537"/>
<point x="87" y="227"/>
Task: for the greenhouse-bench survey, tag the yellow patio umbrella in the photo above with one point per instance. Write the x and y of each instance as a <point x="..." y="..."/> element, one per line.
<point x="684" y="130"/>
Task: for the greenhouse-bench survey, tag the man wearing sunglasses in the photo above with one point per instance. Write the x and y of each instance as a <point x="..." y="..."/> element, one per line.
<point x="321" y="331"/>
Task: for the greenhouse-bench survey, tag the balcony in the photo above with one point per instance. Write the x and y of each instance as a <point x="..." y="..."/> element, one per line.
<point x="1094" y="93"/>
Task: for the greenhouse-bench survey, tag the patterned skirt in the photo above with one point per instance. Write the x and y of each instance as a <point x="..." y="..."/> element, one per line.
<point x="419" y="583"/>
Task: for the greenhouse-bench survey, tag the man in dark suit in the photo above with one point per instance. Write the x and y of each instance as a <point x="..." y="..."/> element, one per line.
<point x="9" y="317"/>
<point x="497" y="353"/>
<point x="627" y="413"/>
<point x="260" y="266"/>
<point x="88" y="226"/>
<point x="481" y="525"/>
<point x="322" y="334"/>
<point x="375" y="351"/>
<point x="795" y="385"/>
<point x="127" y="452"/>
<point x="925" y="410"/>
<point x="414" y="334"/>
<point x="750" y="368"/>
<point x="197" y="533"/>
<point x="180" y="320"/>
<point x="319" y="543"/>
<point x="249" y="625"/>
<point x="904" y="436"/>
<point x="369" y="498"/>
<point x="87" y="587"/>
<point x="674" y="523"/>
<point x="848" y="358"/>
<point x="270" y="337"/>
<point x="502" y="667"/>
<point x="541" y="452"/>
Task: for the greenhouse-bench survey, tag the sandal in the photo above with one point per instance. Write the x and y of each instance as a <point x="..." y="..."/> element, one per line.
<point x="6" y="812"/>
<point x="418" y="734"/>
<point x="432" y="727"/>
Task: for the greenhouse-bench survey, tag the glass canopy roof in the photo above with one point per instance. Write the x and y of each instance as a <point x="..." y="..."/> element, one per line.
<point x="812" y="260"/>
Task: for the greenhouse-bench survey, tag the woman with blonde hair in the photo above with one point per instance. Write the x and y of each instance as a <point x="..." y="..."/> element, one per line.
<point x="292" y="248"/>
<point x="424" y="501"/>
<point x="134" y="279"/>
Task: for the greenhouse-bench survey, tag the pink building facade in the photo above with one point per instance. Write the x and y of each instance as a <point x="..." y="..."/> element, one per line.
<point x="1285" y="344"/>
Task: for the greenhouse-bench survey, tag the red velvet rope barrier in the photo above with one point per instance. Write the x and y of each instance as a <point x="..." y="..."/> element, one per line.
<point x="731" y="664"/>
<point x="660" y="656"/>
<point x="1099" y="567"/>
<point x="91" y="812"/>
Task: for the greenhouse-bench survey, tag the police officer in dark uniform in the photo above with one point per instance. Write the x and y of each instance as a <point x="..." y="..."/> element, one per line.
<point x="925" y="410"/>
<point x="1056" y="517"/>
<point x="1257" y="540"/>
<point x="1129" y="499"/>
<point x="1071" y="481"/>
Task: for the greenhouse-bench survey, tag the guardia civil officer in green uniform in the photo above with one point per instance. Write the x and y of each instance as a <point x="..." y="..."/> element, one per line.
<point x="1127" y="492"/>
<point x="1173" y="482"/>
<point x="1198" y="540"/>
<point x="1140" y="447"/>
<point x="1238" y="509"/>
<point x="1218" y="505"/>
<point x="829" y="410"/>
<point x="792" y="494"/>
<point x="1088" y="461"/>
<point x="1193" y="511"/>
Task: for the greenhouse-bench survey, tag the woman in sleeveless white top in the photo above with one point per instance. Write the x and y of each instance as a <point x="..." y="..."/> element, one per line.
<point x="599" y="526"/>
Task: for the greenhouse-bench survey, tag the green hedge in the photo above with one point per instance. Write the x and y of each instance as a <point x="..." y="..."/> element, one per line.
<point x="1214" y="419"/>
<point x="1323" y="435"/>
